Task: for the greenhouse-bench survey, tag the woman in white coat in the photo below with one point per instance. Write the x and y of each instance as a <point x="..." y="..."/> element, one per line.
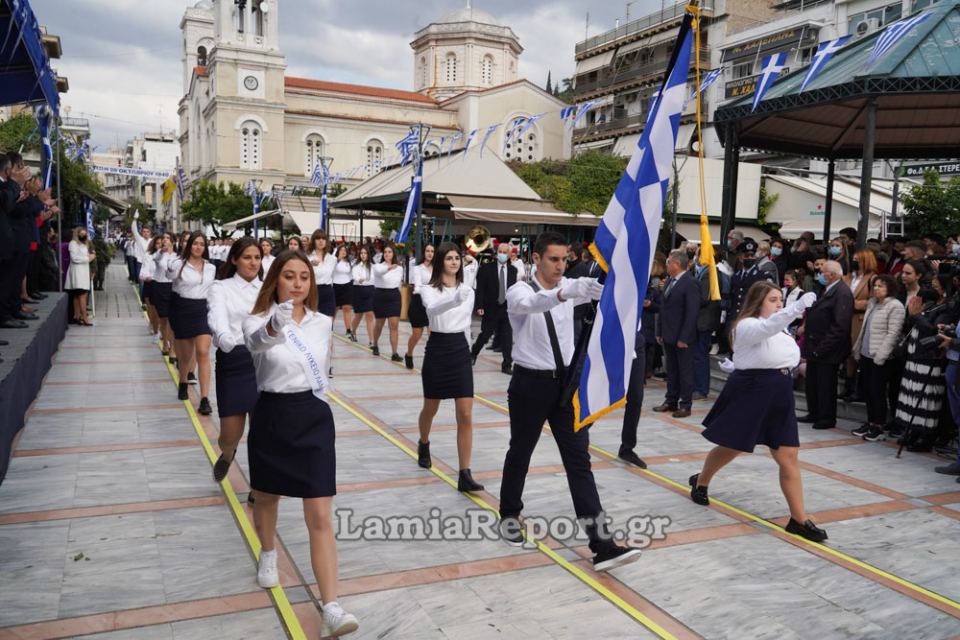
<point x="78" y="274"/>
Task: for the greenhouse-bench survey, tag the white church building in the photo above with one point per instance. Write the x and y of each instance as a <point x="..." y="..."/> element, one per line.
<point x="242" y="117"/>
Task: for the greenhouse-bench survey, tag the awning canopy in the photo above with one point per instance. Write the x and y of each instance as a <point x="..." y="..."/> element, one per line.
<point x="107" y="201"/>
<point x="25" y="73"/>
<point x="916" y="87"/>
<point x="513" y="211"/>
<point x="596" y="62"/>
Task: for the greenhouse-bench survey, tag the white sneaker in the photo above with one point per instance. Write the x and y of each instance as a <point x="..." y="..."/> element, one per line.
<point x="267" y="575"/>
<point x="337" y="622"/>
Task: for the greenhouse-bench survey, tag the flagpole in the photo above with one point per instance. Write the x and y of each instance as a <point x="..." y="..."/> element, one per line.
<point x="421" y="138"/>
<point x="59" y="218"/>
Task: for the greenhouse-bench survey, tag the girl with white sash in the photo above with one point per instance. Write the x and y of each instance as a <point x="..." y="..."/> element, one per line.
<point x="231" y="298"/>
<point x="291" y="441"/>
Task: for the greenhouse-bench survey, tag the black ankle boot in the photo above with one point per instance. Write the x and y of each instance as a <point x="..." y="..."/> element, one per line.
<point x="182" y="393"/>
<point x="423" y="455"/>
<point x="466" y="482"/>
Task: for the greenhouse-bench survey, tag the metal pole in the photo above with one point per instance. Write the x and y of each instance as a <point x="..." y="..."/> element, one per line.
<point x="894" y="212"/>
<point x="828" y="207"/>
<point x="725" y="216"/>
<point x="676" y="194"/>
<point x="361" y="227"/>
<point x="866" y="176"/>
<point x="63" y="209"/>
<point x="420" y="140"/>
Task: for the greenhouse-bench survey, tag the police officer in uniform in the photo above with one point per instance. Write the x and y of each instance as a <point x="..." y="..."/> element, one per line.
<point x="748" y="273"/>
<point x="541" y="316"/>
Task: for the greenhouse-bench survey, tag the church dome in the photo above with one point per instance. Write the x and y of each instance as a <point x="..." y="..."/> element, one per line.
<point x="468" y="14"/>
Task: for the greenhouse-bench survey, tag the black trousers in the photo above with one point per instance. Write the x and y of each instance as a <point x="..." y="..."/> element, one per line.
<point x="497" y="321"/>
<point x="534" y="400"/>
<point x="10" y="282"/>
<point x="821" y="392"/>
<point x="631" y="414"/>
<point x="875" y="379"/>
<point x="679" y="376"/>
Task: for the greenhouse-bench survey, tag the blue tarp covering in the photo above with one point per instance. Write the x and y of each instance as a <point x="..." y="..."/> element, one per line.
<point x="25" y="73"/>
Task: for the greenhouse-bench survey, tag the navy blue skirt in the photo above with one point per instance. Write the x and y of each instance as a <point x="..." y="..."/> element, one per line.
<point x="755" y="407"/>
<point x="236" y="382"/>
<point x="343" y="294"/>
<point x="147" y="292"/>
<point x="362" y="299"/>
<point x="160" y="298"/>
<point x="326" y="300"/>
<point x="417" y="314"/>
<point x="447" y="371"/>
<point x="291" y="446"/>
<point x="386" y="303"/>
<point x="188" y="317"/>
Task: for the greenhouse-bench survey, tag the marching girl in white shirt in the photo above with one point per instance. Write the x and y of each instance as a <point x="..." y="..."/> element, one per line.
<point x="387" y="278"/>
<point x="291" y="441"/>
<point x="343" y="286"/>
<point x="192" y="274"/>
<point x="420" y="275"/>
<point x="147" y="271"/>
<point x="323" y="263"/>
<point x="161" y="290"/>
<point x="230" y="300"/>
<point x="363" y="294"/>
<point x="266" y="249"/>
<point x="295" y="244"/>
<point x="447" y="366"/>
<point x="756" y="405"/>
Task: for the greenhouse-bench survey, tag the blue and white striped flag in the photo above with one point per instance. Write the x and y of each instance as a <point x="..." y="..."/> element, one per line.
<point x="43" y="117"/>
<point x="769" y="70"/>
<point x="89" y="209"/>
<point x="416" y="189"/>
<point x="316" y="179"/>
<point x="582" y="111"/>
<point x="654" y="99"/>
<point x="820" y="59"/>
<point x="490" y="131"/>
<point x="466" y="146"/>
<point x="625" y="244"/>
<point x="708" y="80"/>
<point x="567" y="112"/>
<point x="323" y="208"/>
<point x="408" y="145"/>
<point x="181" y="183"/>
<point x="894" y="34"/>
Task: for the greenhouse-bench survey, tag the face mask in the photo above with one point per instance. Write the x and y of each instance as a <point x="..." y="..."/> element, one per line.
<point x="835" y="251"/>
<point x="822" y="279"/>
<point x="749" y="262"/>
<point x="855" y="265"/>
<point x="502" y="258"/>
<point x="775" y="251"/>
<point x="83" y="236"/>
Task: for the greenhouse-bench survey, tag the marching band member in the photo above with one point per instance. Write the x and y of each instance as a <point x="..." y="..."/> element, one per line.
<point x="387" y="277"/>
<point x="291" y="442"/>
<point x="343" y="286"/>
<point x="420" y="276"/>
<point x="231" y="298"/>
<point x="756" y="405"/>
<point x="447" y="368"/>
<point x="363" y="294"/>
<point x="192" y="274"/>
<point x="541" y="312"/>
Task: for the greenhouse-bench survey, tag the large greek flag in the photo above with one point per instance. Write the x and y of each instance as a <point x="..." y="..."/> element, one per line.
<point x="44" y="120"/>
<point x="412" y="201"/>
<point x="625" y="243"/>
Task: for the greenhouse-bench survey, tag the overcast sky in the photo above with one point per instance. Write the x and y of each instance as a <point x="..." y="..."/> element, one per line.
<point x="123" y="57"/>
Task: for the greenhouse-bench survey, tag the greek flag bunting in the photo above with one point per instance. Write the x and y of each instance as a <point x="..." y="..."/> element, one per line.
<point x="88" y="210"/>
<point x="708" y="80"/>
<point x="181" y="183"/>
<point x="486" y="138"/>
<point x="43" y="117"/>
<point x="625" y="245"/>
<point x="820" y="59"/>
<point x="466" y="146"/>
<point x="894" y="34"/>
<point x="769" y="70"/>
<point x="412" y="201"/>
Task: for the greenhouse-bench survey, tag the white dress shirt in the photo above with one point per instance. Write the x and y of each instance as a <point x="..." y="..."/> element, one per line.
<point x="531" y="342"/>
<point x="470" y="273"/>
<point x="386" y="278"/>
<point x="148" y="268"/>
<point x="228" y="305"/>
<point x="279" y="369"/>
<point x="190" y="282"/>
<point x="342" y="272"/>
<point x="446" y="314"/>
<point x="362" y="275"/>
<point x="762" y="343"/>
<point x="323" y="271"/>
<point x="420" y="276"/>
<point x="266" y="263"/>
<point x="140" y="243"/>
<point x="161" y="260"/>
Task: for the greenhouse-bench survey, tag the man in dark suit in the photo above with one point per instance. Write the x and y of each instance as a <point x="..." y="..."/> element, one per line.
<point x="677" y="332"/>
<point x="826" y="344"/>
<point x="493" y="280"/>
<point x="15" y="241"/>
<point x="708" y="321"/>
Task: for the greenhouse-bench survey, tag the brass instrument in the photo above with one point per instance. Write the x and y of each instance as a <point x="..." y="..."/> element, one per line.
<point x="478" y="240"/>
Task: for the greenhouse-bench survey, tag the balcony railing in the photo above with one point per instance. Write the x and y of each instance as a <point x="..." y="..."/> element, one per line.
<point x="638" y="26"/>
<point x="622" y="122"/>
<point x="634" y="72"/>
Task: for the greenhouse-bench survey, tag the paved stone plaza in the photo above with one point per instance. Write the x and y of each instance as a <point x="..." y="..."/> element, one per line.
<point x="111" y="526"/>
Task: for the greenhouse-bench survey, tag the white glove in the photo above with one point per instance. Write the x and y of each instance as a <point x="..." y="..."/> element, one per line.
<point x="582" y="288"/>
<point x="805" y="302"/>
<point x="136" y="214"/>
<point x="727" y="366"/>
<point x="282" y="316"/>
<point x="226" y="342"/>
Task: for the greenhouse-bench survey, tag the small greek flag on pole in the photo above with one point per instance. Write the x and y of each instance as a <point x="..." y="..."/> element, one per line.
<point x="625" y="244"/>
<point x="412" y="201"/>
<point x="820" y="59"/>
<point x="89" y="211"/>
<point x="894" y="34"/>
<point x="770" y="69"/>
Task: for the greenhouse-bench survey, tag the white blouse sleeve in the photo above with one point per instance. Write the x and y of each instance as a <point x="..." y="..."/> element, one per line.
<point x="437" y="302"/>
<point x="218" y="317"/>
<point x="79" y="253"/>
<point x="756" y="330"/>
<point x="255" y="333"/>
